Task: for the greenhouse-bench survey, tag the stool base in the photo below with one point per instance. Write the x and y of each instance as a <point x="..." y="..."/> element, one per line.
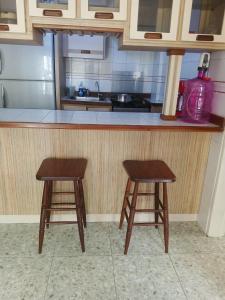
<point x="48" y="206"/>
<point x="160" y="211"/>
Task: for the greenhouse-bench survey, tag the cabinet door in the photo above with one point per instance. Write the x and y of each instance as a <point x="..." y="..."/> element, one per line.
<point x="104" y="9"/>
<point x="74" y="107"/>
<point x="99" y="108"/>
<point x="52" y="8"/>
<point x="204" y="21"/>
<point x="154" y="19"/>
<point x="12" y="16"/>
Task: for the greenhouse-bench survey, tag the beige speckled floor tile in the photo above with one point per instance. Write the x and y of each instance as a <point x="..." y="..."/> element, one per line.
<point x="202" y="275"/>
<point x="22" y="241"/>
<point x="194" y="269"/>
<point x="141" y="277"/>
<point x="24" y="278"/>
<point x="187" y="237"/>
<point x="184" y="237"/>
<point x="144" y="241"/>
<point x="97" y="240"/>
<point x="83" y="278"/>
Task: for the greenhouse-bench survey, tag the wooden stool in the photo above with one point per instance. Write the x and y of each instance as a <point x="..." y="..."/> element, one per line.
<point x="152" y="171"/>
<point x="53" y="169"/>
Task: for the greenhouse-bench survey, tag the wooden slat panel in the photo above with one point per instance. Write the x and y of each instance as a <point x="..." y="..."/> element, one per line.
<point x="22" y="151"/>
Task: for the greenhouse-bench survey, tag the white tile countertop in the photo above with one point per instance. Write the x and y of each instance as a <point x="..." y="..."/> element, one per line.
<point x="92" y="119"/>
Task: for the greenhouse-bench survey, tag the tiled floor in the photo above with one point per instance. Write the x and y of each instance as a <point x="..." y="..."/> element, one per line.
<point x="194" y="269"/>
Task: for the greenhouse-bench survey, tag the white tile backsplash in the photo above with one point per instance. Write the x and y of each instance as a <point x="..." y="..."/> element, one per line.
<point x="127" y="71"/>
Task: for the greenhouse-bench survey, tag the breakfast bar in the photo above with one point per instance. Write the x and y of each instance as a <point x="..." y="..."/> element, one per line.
<point x="106" y="140"/>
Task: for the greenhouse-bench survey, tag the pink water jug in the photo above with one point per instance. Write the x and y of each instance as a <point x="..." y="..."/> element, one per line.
<point x="197" y="100"/>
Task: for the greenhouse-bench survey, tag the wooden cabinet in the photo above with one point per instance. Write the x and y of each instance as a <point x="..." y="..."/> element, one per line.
<point x="204" y="21"/>
<point x="57" y="8"/>
<point x="154" y="19"/>
<point x="12" y="16"/>
<point x="104" y="9"/>
<point x="85" y="106"/>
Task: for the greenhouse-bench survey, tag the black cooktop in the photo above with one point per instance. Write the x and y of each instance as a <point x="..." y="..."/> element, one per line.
<point x="136" y="102"/>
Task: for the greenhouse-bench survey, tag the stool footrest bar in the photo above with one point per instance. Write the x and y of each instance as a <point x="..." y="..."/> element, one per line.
<point x="128" y="204"/>
<point x="149" y="210"/>
<point x="60" y="209"/>
<point x="126" y="215"/>
<point x="63" y="193"/>
<point x="61" y="222"/>
<point x="160" y="203"/>
<point x="147" y="224"/>
<point x="62" y="203"/>
<point x="143" y="194"/>
<point x="161" y="216"/>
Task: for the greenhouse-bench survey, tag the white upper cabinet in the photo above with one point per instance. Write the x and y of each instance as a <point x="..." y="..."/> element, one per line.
<point x="204" y="21"/>
<point x="104" y="9"/>
<point x="154" y="19"/>
<point x="52" y="8"/>
<point x="12" y="16"/>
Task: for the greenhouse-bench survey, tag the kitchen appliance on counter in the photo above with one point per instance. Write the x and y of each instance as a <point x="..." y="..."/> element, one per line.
<point x="136" y="103"/>
<point x="27" y="75"/>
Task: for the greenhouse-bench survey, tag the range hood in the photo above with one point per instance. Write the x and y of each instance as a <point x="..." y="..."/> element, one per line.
<point x="84" y="46"/>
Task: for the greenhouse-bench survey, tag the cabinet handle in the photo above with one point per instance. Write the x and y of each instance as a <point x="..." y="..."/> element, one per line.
<point x="0" y="62"/>
<point x="103" y="15"/>
<point x="3" y="103"/>
<point x="52" y="13"/>
<point x="152" y="35"/>
<point x="205" y="38"/>
<point x="4" y="27"/>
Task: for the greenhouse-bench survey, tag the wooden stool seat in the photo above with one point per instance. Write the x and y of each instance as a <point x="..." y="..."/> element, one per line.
<point x="58" y="169"/>
<point x="149" y="171"/>
<point x="62" y="169"/>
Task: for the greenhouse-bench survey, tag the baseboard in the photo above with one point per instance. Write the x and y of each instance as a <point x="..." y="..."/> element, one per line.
<point x="94" y="218"/>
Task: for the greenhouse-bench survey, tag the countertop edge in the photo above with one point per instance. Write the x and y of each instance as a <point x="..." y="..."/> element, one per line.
<point x="110" y="127"/>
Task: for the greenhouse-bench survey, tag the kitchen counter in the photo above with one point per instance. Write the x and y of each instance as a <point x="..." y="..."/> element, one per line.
<point x="25" y="118"/>
<point x="106" y="140"/>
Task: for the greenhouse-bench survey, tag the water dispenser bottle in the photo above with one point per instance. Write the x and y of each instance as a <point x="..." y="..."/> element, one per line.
<point x="198" y="98"/>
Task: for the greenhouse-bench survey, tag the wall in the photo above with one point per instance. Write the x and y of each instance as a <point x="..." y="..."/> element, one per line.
<point x="120" y="71"/>
<point x="190" y="65"/>
<point x="212" y="209"/>
<point x="217" y="68"/>
<point x="127" y="71"/>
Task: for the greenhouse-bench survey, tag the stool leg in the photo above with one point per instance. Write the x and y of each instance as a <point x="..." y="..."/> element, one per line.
<point x="156" y="203"/>
<point x="49" y="201"/>
<point x="126" y="195"/>
<point x="79" y="214"/>
<point x="165" y="217"/>
<point x="82" y="202"/>
<point x="131" y="217"/>
<point x="42" y="217"/>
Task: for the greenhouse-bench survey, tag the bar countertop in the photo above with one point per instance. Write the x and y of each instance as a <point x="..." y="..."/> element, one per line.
<point x="37" y="118"/>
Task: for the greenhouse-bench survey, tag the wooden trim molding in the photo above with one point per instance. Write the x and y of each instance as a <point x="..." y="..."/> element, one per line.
<point x="217" y="120"/>
<point x="75" y="28"/>
<point x="175" y="52"/>
<point x="185" y="128"/>
<point x="168" y="117"/>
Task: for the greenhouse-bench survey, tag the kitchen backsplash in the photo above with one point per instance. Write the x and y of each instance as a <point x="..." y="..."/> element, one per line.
<point x="126" y="71"/>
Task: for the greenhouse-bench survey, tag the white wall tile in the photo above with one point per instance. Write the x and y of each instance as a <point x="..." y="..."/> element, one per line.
<point x="119" y="70"/>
